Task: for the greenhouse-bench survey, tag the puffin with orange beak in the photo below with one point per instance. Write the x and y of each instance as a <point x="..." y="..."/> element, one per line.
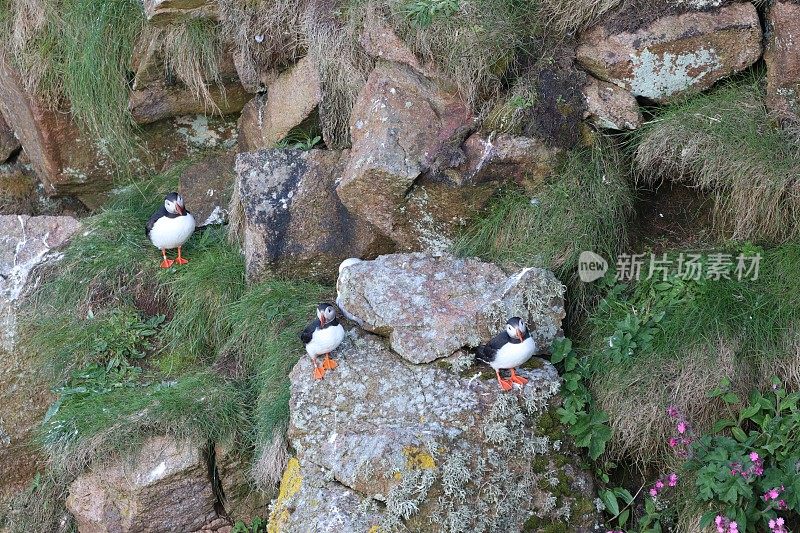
<point x="508" y="349"/>
<point x="170" y="227"/>
<point x="323" y="335"/>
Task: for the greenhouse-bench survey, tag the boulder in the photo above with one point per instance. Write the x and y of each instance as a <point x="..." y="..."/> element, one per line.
<point x="676" y="53"/>
<point x="8" y="141"/>
<point x="610" y="107"/>
<point x="155" y="96"/>
<point x="163" y="486"/>
<point x="290" y="100"/>
<point x="207" y="186"/>
<point x="783" y="60"/>
<point x="380" y="41"/>
<point x="25" y="244"/>
<point x="489" y="157"/>
<point x="381" y="443"/>
<point x="431" y="306"/>
<point x="293" y="222"/>
<point x="22" y="194"/>
<point x="65" y="160"/>
<point x="400" y="123"/>
<point x="166" y="12"/>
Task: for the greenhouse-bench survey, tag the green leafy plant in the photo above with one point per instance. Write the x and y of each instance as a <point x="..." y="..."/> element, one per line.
<point x="422" y="13"/>
<point x="256" y="526"/>
<point x="299" y="141"/>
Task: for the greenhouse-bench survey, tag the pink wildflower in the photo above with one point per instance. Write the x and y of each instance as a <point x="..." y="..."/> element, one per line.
<point x="672" y="480"/>
<point x="673" y="442"/>
<point x="653" y="492"/>
<point x="681" y="427"/>
<point x="672" y="411"/>
<point x="753" y="456"/>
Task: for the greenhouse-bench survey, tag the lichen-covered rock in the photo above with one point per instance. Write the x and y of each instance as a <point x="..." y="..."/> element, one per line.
<point x="400" y="123"/>
<point x="380" y="41"/>
<point x="289" y="100"/>
<point x="165" y="12"/>
<point x="25" y="244"/>
<point x="164" y="486"/>
<point x="382" y="442"/>
<point x="8" y="141"/>
<point x="783" y="60"/>
<point x="674" y="54"/>
<point x="525" y="160"/>
<point x="611" y="107"/>
<point x="430" y="306"/>
<point x="293" y="222"/>
<point x="206" y="187"/>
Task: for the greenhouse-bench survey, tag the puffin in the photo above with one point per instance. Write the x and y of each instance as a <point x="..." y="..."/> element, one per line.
<point x="508" y="349"/>
<point x="321" y="336"/>
<point x="170" y="227"/>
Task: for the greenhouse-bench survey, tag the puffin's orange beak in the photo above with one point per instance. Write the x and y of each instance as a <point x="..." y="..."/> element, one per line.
<point x="519" y="335"/>
<point x="321" y="320"/>
<point x="179" y="208"/>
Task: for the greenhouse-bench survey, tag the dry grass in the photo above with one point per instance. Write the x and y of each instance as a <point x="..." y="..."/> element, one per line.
<point x="638" y="419"/>
<point x="271" y="461"/>
<point x="725" y="142"/>
<point x="569" y="16"/>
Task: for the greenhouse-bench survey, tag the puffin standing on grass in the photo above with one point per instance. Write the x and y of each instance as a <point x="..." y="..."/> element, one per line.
<point x="170" y="227"/>
<point x="323" y="335"/>
<point x="508" y="349"/>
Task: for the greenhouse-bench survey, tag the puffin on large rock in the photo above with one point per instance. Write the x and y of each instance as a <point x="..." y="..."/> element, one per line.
<point x="323" y="335"/>
<point x="170" y="227"/>
<point x="508" y="349"/>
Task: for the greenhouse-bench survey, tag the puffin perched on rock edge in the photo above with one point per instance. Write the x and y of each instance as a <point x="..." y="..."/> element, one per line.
<point x="321" y="336"/>
<point x="170" y="227"/>
<point x="508" y="349"/>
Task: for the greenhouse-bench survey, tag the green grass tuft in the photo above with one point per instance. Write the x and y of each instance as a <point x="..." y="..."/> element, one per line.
<point x="725" y="142"/>
<point x="654" y="344"/>
<point x="584" y="206"/>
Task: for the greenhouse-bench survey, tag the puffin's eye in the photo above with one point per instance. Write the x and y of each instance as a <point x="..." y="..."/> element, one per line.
<point x="521" y="324"/>
<point x="329" y="310"/>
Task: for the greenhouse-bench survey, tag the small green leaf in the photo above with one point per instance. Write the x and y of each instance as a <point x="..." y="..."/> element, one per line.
<point x="739" y="434"/>
<point x="610" y="500"/>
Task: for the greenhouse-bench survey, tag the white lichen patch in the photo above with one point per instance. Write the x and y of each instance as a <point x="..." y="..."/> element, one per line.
<point x="659" y="75"/>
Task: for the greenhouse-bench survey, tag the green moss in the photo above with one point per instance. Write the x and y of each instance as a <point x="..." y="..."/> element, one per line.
<point x="536" y="525"/>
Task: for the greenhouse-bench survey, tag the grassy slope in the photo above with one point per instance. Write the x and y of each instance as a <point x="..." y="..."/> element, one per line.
<point x="725" y="142"/>
<point x="215" y="370"/>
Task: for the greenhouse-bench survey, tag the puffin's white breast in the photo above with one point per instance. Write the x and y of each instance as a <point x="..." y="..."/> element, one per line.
<point x="325" y="340"/>
<point x="513" y="355"/>
<point x="168" y="233"/>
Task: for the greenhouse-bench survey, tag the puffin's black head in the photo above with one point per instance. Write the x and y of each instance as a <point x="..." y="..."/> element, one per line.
<point x="326" y="313"/>
<point x="173" y="203"/>
<point x="516" y="328"/>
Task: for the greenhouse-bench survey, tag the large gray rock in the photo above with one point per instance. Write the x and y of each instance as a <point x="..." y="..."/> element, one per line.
<point x="25" y="244"/>
<point x="292" y="221"/>
<point x="290" y="100"/>
<point x="783" y="60"/>
<point x="441" y="450"/>
<point x="674" y="54"/>
<point x="430" y="306"/>
<point x="165" y="12"/>
<point x="400" y="123"/>
<point x="162" y="487"/>
<point x="207" y="186"/>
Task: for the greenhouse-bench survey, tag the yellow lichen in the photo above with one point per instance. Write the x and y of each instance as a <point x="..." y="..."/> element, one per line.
<point x="418" y="459"/>
<point x="290" y="485"/>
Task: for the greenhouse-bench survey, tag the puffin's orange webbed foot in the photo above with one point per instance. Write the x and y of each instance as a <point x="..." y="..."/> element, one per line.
<point x="328" y="363"/>
<point x="319" y="372"/>
<point x="166" y="263"/>
<point x="517" y="379"/>
<point x="180" y="259"/>
<point x="504" y="383"/>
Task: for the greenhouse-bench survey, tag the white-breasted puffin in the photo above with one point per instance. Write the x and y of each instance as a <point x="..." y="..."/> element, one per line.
<point x="508" y="349"/>
<point x="323" y="335"/>
<point x="170" y="227"/>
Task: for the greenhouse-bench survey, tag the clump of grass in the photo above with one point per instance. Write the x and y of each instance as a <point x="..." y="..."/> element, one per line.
<point x="80" y="50"/>
<point x="584" y="206"/>
<point x="192" y="51"/>
<point x="725" y="142"/>
<point x="658" y="343"/>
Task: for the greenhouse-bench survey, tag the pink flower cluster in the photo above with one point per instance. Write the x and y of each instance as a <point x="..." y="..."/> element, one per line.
<point x="670" y="481"/>
<point x="756" y="467"/>
<point x="776" y="526"/>
<point x="680" y="442"/>
<point x="774" y="494"/>
<point x="725" y="525"/>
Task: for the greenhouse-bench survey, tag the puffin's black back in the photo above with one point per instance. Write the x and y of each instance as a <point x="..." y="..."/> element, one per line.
<point x="162" y="212"/>
<point x="308" y="333"/>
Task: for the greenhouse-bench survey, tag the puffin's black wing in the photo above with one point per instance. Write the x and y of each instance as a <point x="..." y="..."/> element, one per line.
<point x="487" y="352"/>
<point x="150" y="223"/>
<point x="307" y="333"/>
